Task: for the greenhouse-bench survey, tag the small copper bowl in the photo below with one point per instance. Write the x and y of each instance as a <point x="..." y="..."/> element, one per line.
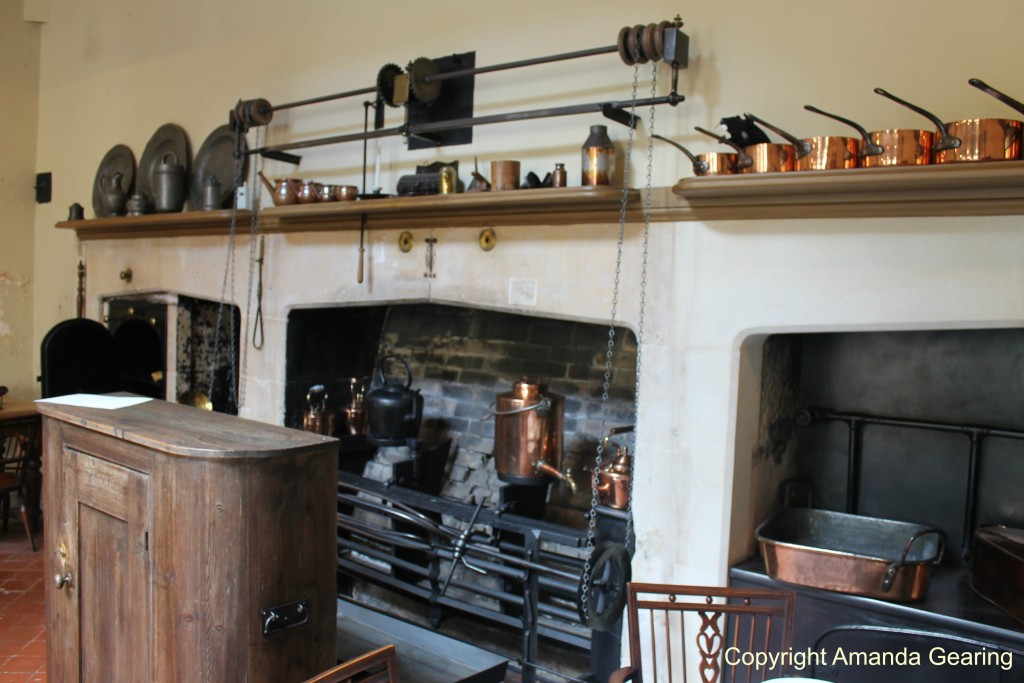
<point x="345" y="193"/>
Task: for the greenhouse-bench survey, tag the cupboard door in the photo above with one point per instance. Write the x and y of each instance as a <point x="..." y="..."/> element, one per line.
<point x="110" y="550"/>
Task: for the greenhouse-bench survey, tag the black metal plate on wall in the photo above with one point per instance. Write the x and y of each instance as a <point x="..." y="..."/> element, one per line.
<point x="43" y="187"/>
<point x="454" y="102"/>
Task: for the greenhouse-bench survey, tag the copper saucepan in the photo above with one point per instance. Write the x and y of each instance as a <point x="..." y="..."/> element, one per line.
<point x="763" y="157"/>
<point x="709" y="163"/>
<point x="890" y="147"/>
<point x="969" y="139"/>
<point x="743" y="160"/>
<point x="820" y="153"/>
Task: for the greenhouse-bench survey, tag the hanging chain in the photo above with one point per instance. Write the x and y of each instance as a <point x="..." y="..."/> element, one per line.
<point x="594" y="475"/>
<point x="254" y="230"/>
<point x="229" y="278"/>
<point x="643" y="301"/>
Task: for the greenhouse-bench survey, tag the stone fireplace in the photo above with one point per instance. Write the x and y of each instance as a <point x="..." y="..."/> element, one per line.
<point x="724" y="277"/>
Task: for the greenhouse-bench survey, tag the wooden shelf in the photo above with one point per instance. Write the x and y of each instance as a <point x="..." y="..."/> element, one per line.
<point x="988" y="188"/>
<point x="156" y="225"/>
<point x="970" y="189"/>
<point x="545" y="206"/>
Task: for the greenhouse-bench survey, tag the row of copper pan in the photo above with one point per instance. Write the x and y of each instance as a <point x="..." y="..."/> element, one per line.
<point x="987" y="139"/>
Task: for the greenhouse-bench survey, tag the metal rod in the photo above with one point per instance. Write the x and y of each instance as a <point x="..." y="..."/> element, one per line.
<point x="967" y="542"/>
<point x="324" y="98"/>
<point x="454" y="124"/>
<point x="523" y="62"/>
<point x="853" y="466"/>
<point x="975" y="433"/>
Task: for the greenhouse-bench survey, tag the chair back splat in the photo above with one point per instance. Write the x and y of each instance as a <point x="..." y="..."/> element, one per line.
<point x="706" y="634"/>
<point x="376" y="666"/>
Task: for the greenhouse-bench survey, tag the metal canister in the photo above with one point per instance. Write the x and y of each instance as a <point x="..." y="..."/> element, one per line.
<point x="449" y="180"/>
<point x="559" y="177"/>
<point x="529" y="422"/>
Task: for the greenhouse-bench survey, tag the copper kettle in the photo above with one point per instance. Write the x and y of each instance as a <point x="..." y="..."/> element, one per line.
<point x="613" y="481"/>
<point x="317" y="418"/>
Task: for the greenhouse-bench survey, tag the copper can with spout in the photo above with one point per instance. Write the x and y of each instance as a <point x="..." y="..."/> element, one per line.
<point x="613" y="481"/>
<point x="529" y="423"/>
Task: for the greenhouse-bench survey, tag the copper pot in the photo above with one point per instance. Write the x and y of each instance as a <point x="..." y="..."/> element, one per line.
<point x="709" y="163"/>
<point x="529" y="422"/>
<point x="345" y="193"/>
<point x="763" y="157"/>
<point x="892" y="147"/>
<point x="309" y="192"/>
<point x="969" y="139"/>
<point x="284" y="191"/>
<point x="819" y="153"/>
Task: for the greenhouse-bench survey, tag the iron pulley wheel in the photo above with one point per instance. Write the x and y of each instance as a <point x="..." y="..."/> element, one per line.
<point x="386" y="83"/>
<point x="600" y="602"/>
<point x="423" y="91"/>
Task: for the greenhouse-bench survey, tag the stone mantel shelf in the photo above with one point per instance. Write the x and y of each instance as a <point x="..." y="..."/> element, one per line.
<point x="979" y="189"/>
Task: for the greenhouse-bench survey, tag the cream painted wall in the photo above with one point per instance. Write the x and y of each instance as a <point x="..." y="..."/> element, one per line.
<point x="19" y="85"/>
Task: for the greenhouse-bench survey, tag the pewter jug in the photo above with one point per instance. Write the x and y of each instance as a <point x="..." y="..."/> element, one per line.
<point x="114" y="197"/>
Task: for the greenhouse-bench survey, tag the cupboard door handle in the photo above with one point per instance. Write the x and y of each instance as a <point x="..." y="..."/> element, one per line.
<point x="62" y="580"/>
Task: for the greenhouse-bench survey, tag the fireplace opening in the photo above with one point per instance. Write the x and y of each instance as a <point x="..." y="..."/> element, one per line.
<point x="169" y="347"/>
<point x="923" y="427"/>
<point x="460" y="360"/>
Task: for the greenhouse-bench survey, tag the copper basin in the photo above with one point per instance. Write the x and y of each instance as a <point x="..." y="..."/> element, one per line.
<point x="847" y="553"/>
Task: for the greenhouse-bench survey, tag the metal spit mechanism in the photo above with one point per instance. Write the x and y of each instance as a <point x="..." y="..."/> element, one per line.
<point x="529" y="423"/>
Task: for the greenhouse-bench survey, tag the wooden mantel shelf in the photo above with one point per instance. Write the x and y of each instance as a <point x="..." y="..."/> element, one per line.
<point x="979" y="189"/>
<point x="546" y="206"/>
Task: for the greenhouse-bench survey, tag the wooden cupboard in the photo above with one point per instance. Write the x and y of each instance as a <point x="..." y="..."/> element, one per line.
<point x="187" y="546"/>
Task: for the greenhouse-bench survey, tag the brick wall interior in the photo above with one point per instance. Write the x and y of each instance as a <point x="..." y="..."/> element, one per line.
<point x="461" y="358"/>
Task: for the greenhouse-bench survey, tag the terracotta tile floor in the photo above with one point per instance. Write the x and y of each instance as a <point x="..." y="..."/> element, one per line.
<point x="22" y="617"/>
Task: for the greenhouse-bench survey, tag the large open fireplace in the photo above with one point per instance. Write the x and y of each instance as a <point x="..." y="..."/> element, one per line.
<point x="754" y="314"/>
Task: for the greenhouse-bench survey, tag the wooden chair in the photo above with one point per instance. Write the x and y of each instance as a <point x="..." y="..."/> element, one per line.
<point x="19" y="461"/>
<point x="720" y="629"/>
<point x="377" y="666"/>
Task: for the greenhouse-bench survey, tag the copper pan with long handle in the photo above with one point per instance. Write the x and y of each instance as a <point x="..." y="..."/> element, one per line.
<point x="819" y="153"/>
<point x="982" y="139"/>
<point x="763" y="157"/>
<point x="709" y="163"/>
<point x="743" y="160"/>
<point x="890" y="147"/>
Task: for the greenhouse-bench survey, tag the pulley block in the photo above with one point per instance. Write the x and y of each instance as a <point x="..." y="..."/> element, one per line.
<point x="600" y="602"/>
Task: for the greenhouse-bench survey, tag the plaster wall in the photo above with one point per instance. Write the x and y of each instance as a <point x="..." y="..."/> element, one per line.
<point x="19" y="86"/>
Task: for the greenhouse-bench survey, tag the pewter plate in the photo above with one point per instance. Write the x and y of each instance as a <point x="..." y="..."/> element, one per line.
<point x="216" y="157"/>
<point x="118" y="160"/>
<point x="169" y="138"/>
